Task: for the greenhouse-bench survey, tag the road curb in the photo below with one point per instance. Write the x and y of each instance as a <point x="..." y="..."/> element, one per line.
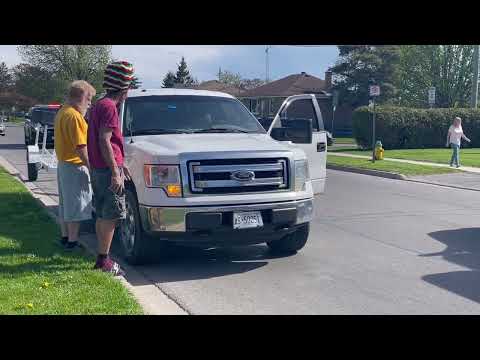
<point x="394" y="176"/>
<point x="150" y="297"/>
<point x="440" y="184"/>
<point x="378" y="173"/>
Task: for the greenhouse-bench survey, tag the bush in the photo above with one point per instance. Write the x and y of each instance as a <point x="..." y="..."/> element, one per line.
<point x="409" y="128"/>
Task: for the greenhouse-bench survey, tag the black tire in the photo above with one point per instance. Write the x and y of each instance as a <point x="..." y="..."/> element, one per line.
<point x="291" y="243"/>
<point x="134" y="243"/>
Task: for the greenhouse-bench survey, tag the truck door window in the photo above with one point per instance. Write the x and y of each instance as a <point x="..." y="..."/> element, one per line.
<point x="302" y="109"/>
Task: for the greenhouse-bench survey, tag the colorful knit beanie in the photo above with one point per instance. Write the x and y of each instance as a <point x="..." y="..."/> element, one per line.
<point x="118" y="76"/>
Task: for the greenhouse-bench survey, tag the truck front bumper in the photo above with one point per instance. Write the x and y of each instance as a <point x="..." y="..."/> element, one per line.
<point x="204" y="218"/>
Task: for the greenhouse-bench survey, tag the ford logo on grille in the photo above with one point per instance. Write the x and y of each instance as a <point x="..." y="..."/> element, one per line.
<point x="243" y="175"/>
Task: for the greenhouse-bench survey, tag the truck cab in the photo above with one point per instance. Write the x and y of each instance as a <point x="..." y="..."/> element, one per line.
<point x="206" y="173"/>
<point x="40" y="116"/>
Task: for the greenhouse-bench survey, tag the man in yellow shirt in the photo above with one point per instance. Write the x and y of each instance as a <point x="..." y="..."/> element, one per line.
<point x="73" y="171"/>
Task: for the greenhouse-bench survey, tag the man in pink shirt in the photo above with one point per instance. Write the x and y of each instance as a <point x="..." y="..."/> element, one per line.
<point x="106" y="155"/>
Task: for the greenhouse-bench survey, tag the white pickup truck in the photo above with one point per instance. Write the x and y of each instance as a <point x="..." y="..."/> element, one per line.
<point x="206" y="173"/>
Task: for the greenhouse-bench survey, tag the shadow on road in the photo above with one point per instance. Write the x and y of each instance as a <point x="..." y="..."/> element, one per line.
<point x="184" y="264"/>
<point x="463" y="248"/>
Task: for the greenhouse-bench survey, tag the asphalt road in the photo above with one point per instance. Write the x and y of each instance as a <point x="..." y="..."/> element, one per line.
<point x="377" y="246"/>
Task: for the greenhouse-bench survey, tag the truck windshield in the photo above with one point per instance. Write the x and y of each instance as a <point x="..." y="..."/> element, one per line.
<point x="187" y="114"/>
<point x="44" y="116"/>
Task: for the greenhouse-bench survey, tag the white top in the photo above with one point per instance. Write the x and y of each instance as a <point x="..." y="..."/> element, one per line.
<point x="455" y="134"/>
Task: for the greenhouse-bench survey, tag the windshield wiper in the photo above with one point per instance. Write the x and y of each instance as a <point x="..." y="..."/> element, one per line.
<point x="159" y="131"/>
<point x="213" y="130"/>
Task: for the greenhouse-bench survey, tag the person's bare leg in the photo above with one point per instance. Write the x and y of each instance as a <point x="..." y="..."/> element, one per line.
<point x="73" y="230"/>
<point x="105" y="231"/>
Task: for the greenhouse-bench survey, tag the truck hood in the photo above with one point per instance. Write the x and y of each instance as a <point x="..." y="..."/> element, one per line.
<point x="176" y="144"/>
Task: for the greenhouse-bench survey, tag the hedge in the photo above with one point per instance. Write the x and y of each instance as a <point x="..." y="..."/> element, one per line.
<point x="409" y="128"/>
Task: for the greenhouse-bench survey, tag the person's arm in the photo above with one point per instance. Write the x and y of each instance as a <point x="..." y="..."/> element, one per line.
<point x="82" y="152"/>
<point x="104" y="136"/>
<point x="464" y="137"/>
<point x="448" y="136"/>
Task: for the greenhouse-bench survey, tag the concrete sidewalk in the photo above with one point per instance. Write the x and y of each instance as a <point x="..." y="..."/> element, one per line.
<point x="461" y="168"/>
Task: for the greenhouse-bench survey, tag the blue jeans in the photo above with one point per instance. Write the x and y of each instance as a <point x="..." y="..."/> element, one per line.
<point x="455" y="155"/>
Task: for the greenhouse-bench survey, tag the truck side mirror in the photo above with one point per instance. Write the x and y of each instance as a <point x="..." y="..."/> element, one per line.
<point x="298" y="131"/>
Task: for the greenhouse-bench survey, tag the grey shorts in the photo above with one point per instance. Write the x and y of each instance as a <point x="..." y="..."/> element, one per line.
<point x="108" y="205"/>
<point x="75" y="192"/>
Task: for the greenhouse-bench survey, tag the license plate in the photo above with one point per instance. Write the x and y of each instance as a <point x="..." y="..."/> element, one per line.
<point x="246" y="220"/>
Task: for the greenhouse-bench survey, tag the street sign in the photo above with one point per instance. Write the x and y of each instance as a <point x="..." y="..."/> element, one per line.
<point x="431" y="96"/>
<point x="374" y="90"/>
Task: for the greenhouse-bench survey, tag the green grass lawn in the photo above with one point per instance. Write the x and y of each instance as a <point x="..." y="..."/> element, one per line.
<point x="37" y="276"/>
<point x="468" y="156"/>
<point x="16" y="120"/>
<point x="390" y="166"/>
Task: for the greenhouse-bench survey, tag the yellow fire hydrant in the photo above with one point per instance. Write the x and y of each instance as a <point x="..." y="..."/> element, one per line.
<point x="379" y="150"/>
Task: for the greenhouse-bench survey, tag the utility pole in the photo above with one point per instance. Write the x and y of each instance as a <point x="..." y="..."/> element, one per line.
<point x="267" y="63"/>
<point x="474" y="100"/>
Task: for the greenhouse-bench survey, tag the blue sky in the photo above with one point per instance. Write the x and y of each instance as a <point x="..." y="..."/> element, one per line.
<point x="153" y="61"/>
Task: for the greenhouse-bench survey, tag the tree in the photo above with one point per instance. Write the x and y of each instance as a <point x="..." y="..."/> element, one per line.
<point x="448" y="68"/>
<point x="248" y="84"/>
<point x="360" y="66"/>
<point x="183" y="74"/>
<point x="33" y="82"/>
<point x="229" y="78"/>
<point x="5" y="77"/>
<point x="69" y="62"/>
<point x="169" y="80"/>
<point x="135" y="84"/>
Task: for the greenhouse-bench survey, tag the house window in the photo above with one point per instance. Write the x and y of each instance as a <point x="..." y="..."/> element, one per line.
<point x="275" y="105"/>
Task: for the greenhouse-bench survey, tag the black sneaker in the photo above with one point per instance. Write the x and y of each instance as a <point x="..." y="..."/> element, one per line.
<point x="62" y="241"/>
<point x="72" y="245"/>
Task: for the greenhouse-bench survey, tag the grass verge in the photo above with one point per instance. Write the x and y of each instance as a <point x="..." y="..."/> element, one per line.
<point x="468" y="156"/>
<point x="37" y="276"/>
<point x="389" y="166"/>
<point x="16" y="120"/>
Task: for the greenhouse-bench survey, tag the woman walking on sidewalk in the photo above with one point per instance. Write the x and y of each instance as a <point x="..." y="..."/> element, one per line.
<point x="454" y="137"/>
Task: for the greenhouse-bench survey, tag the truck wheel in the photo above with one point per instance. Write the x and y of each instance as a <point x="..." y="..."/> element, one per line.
<point x="133" y="241"/>
<point x="32" y="170"/>
<point x="291" y="242"/>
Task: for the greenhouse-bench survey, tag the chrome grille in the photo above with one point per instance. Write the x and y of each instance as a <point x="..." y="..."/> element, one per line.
<point x="238" y="175"/>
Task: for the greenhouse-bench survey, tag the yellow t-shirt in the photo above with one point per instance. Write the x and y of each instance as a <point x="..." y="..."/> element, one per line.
<point x="70" y="132"/>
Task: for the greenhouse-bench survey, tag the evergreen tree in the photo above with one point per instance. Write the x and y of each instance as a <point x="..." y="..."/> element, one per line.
<point x="135" y="84"/>
<point x="183" y="74"/>
<point x="169" y="80"/>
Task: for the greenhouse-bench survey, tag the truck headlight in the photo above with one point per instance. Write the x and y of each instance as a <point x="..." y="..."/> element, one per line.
<point x="302" y="175"/>
<point x="166" y="177"/>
